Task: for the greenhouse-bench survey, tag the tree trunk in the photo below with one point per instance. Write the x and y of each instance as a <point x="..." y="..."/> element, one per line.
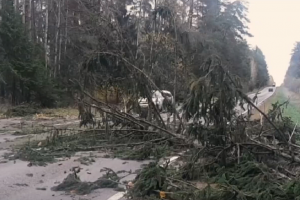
<point x="29" y="18"/>
<point x="138" y="31"/>
<point x="16" y="4"/>
<point x="32" y="21"/>
<point x="60" y="41"/>
<point x="175" y="78"/>
<point x="66" y="28"/>
<point x="0" y="10"/>
<point x="191" y="13"/>
<point x="57" y="40"/>
<point x="24" y="12"/>
<point x="46" y="33"/>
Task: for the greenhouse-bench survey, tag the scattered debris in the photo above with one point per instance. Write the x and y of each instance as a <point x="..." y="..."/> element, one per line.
<point x="21" y="184"/>
<point x="41" y="188"/>
<point x="120" y="189"/>
<point x="74" y="185"/>
<point x="19" y="133"/>
<point x="85" y="160"/>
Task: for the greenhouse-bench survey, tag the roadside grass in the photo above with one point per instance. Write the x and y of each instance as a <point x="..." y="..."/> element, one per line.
<point x="31" y="111"/>
<point x="60" y="112"/>
<point x="293" y="109"/>
<point x="281" y="95"/>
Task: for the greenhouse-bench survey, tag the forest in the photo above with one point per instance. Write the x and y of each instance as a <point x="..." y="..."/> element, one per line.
<point x="46" y="45"/>
<point x="292" y="81"/>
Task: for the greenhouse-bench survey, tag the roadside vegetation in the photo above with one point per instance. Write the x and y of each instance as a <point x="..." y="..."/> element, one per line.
<point x="282" y="95"/>
<point x="293" y="108"/>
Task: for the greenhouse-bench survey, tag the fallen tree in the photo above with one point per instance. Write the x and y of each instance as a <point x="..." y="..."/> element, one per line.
<point x="233" y="158"/>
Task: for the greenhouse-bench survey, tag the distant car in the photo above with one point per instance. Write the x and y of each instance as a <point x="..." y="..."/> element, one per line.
<point x="158" y="99"/>
<point x="271" y="90"/>
<point x="273" y="85"/>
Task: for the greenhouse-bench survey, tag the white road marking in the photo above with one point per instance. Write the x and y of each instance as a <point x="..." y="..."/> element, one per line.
<point x="117" y="196"/>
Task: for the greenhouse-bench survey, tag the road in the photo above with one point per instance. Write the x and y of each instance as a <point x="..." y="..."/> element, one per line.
<point x="19" y="182"/>
<point x="262" y="96"/>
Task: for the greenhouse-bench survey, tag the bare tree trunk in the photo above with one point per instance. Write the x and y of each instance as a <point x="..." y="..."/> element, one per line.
<point x="24" y="12"/>
<point x="0" y="10"/>
<point x="175" y="78"/>
<point x="16" y="4"/>
<point x="66" y="28"/>
<point x="32" y="21"/>
<point x="152" y="39"/>
<point x="56" y="40"/>
<point x="191" y="13"/>
<point x="29" y="7"/>
<point x="138" y="30"/>
<point x="46" y="33"/>
<point x="60" y="42"/>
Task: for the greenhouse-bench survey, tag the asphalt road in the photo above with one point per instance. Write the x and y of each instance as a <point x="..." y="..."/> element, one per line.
<point x="20" y="182"/>
<point x="262" y="96"/>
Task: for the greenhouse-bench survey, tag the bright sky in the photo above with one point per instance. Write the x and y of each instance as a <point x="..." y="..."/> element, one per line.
<point x="275" y="25"/>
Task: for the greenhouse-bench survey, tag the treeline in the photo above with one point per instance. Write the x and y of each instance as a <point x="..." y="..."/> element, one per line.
<point x="292" y="77"/>
<point x="133" y="45"/>
<point x="260" y="74"/>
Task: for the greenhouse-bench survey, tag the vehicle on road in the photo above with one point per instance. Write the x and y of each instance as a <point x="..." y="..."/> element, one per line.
<point x="271" y="90"/>
<point x="159" y="98"/>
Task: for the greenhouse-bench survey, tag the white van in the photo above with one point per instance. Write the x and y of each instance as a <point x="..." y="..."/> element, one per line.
<point x="158" y="99"/>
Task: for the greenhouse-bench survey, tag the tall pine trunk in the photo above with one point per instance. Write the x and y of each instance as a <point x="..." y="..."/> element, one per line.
<point x="16" y="4"/>
<point x="56" y="65"/>
<point x="46" y="34"/>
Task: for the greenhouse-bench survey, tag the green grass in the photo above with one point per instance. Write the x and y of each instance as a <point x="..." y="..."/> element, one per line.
<point x="292" y="110"/>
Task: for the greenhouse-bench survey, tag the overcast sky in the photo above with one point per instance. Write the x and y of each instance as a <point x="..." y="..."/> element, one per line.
<point x="275" y="25"/>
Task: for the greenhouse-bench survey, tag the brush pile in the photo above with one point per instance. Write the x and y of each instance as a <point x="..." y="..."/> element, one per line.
<point x="222" y="155"/>
<point x="260" y="161"/>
